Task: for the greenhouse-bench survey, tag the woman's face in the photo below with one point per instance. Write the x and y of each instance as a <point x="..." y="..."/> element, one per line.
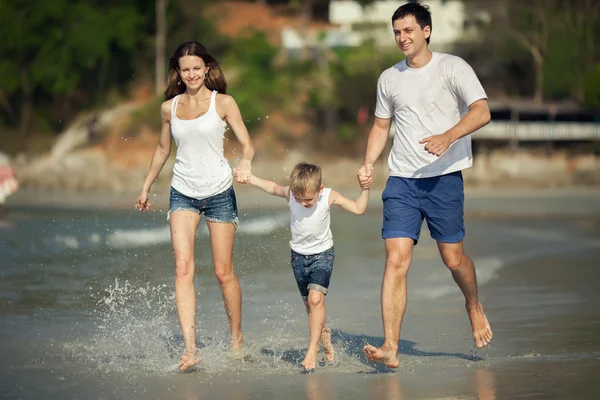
<point x="192" y="71"/>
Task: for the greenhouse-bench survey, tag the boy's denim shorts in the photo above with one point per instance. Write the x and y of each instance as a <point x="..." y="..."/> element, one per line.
<point x="313" y="272"/>
<point x="221" y="207"/>
<point x="439" y="200"/>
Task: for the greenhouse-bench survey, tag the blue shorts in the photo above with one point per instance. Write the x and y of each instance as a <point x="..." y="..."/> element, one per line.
<point x="439" y="200"/>
<point x="313" y="272"/>
<point x="221" y="207"/>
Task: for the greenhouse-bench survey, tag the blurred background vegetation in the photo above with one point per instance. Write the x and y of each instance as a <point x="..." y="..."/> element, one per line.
<point x="62" y="58"/>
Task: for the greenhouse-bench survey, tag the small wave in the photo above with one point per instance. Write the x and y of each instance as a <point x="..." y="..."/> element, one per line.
<point x="138" y="237"/>
<point x="263" y="226"/>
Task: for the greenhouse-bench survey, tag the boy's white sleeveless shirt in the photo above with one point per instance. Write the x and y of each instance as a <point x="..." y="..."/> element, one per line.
<point x="311" y="232"/>
<point x="201" y="169"/>
<point x="424" y="102"/>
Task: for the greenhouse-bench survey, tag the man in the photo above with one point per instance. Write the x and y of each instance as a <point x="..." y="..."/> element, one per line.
<point x="436" y="101"/>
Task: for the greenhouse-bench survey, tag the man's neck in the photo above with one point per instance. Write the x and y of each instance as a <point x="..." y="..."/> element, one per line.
<point x="420" y="60"/>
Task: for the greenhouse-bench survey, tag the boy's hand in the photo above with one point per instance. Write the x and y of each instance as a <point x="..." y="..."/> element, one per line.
<point x="365" y="175"/>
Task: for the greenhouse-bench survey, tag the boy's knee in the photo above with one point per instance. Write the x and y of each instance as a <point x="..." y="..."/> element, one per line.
<point x="315" y="298"/>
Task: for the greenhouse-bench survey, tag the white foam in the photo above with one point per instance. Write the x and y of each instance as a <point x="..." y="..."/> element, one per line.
<point x="139" y="237"/>
<point x="263" y="226"/>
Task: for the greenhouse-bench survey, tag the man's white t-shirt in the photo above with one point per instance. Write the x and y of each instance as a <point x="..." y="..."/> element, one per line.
<point x="424" y="102"/>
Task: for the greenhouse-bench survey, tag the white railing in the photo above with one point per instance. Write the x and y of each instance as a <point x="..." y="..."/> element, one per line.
<point x="507" y="130"/>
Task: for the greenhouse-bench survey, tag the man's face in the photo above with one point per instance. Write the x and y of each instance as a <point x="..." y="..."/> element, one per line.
<point x="410" y="38"/>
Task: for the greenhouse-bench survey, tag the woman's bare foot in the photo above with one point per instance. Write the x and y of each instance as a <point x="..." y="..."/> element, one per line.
<point x="310" y="361"/>
<point x="482" y="332"/>
<point x="384" y="355"/>
<point x="237" y="342"/>
<point x="189" y="360"/>
<point x="327" y="345"/>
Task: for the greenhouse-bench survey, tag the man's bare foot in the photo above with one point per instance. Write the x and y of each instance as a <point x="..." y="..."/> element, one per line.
<point x="327" y="345"/>
<point x="482" y="332"/>
<point x="384" y="355"/>
<point x="310" y="361"/>
<point x="189" y="360"/>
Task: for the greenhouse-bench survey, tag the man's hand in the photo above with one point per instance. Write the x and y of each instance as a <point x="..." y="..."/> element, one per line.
<point x="365" y="177"/>
<point x="437" y="144"/>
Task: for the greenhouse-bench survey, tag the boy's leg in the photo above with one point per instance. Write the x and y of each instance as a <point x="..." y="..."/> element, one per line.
<point x="316" y="323"/>
<point x="320" y="269"/>
<point x="444" y="212"/>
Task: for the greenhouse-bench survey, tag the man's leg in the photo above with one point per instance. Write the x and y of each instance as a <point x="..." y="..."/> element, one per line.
<point x="393" y="300"/>
<point x="463" y="271"/>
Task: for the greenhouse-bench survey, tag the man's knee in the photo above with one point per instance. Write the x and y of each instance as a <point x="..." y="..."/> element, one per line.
<point x="398" y="261"/>
<point x="453" y="258"/>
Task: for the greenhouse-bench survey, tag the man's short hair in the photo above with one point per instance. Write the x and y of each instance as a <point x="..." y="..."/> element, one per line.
<point x="419" y="11"/>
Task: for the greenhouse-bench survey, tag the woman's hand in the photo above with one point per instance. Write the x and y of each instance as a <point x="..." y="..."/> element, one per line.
<point x="243" y="172"/>
<point x="143" y="204"/>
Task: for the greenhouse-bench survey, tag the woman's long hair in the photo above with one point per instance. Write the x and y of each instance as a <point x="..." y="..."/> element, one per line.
<point x="215" y="80"/>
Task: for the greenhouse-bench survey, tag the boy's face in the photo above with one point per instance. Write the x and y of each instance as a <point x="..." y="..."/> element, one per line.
<point x="309" y="198"/>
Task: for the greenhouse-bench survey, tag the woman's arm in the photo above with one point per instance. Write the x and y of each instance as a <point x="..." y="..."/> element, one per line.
<point x="233" y="117"/>
<point x="160" y="156"/>
<point x="358" y="206"/>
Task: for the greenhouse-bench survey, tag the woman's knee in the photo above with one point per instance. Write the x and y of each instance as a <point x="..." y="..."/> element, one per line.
<point x="184" y="269"/>
<point x="224" y="272"/>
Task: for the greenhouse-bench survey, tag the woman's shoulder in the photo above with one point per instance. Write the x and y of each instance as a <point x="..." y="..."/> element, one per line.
<point x="165" y="107"/>
<point x="225" y="99"/>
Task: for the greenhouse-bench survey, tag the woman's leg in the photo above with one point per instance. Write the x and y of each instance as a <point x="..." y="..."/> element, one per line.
<point x="221" y="239"/>
<point x="184" y="225"/>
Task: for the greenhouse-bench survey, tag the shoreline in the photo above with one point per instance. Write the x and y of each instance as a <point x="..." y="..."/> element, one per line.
<point x="480" y="202"/>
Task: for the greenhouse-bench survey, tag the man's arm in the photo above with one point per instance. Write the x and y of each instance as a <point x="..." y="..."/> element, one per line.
<point x="271" y="187"/>
<point x="375" y="145"/>
<point x="477" y="117"/>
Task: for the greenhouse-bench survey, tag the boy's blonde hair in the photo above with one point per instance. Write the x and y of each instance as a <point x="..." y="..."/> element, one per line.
<point x="305" y="179"/>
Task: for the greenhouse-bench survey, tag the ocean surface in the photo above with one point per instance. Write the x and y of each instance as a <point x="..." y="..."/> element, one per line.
<point x="87" y="310"/>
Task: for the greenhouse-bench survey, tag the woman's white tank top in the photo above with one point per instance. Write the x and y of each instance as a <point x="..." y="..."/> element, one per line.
<point x="311" y="232"/>
<point x="201" y="169"/>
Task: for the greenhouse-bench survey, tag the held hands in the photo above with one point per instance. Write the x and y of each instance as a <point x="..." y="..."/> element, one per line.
<point x="437" y="144"/>
<point x="143" y="204"/>
<point x="365" y="176"/>
<point x="243" y="172"/>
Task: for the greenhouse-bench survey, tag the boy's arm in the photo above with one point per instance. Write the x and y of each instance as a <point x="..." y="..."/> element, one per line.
<point x="271" y="187"/>
<point x="358" y="206"/>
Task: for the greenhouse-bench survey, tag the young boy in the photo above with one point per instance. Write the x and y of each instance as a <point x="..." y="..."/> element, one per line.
<point x="312" y="245"/>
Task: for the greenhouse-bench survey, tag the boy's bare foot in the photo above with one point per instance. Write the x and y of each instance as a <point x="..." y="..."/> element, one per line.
<point x="327" y="345"/>
<point x="482" y="332"/>
<point x="189" y="360"/>
<point x="384" y="355"/>
<point x="310" y="361"/>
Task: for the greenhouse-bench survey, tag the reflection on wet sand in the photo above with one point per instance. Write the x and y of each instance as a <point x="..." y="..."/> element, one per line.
<point x="480" y="385"/>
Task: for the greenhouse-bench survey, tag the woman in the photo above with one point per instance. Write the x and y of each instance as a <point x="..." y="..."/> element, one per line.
<point x="196" y="112"/>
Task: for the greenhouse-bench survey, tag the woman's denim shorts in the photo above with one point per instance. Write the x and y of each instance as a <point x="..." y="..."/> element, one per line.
<point x="221" y="207"/>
